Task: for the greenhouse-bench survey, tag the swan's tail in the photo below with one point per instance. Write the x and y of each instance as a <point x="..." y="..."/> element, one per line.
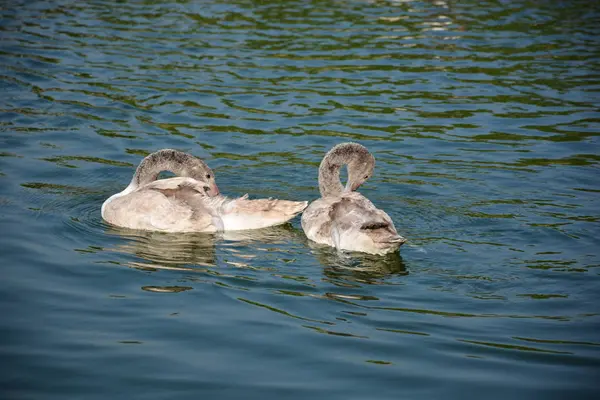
<point x="383" y="234"/>
<point x="371" y="237"/>
<point x="243" y="213"/>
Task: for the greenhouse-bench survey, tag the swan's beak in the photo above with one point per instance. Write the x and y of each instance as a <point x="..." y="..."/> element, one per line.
<point x="351" y="187"/>
<point x="214" y="190"/>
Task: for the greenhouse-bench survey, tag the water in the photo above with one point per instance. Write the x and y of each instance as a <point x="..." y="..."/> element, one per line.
<point x="484" y="120"/>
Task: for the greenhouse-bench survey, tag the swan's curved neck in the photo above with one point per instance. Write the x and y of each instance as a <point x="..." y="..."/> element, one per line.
<point x="329" y="177"/>
<point x="356" y="157"/>
<point x="177" y="162"/>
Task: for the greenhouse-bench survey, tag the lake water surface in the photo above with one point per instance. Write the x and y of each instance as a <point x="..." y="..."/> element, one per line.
<point x="484" y="118"/>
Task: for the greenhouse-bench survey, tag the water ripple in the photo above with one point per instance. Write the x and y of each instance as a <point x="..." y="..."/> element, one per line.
<point x="484" y="121"/>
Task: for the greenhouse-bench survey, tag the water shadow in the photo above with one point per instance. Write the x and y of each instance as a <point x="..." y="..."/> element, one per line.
<point x="355" y="267"/>
<point x="176" y="249"/>
<point x="167" y="248"/>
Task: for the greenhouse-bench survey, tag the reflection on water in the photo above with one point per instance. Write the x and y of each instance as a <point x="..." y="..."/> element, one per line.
<point x="197" y="248"/>
<point x="482" y="116"/>
<point x="167" y="248"/>
<point x="166" y="289"/>
<point x="187" y="251"/>
<point x="358" y="267"/>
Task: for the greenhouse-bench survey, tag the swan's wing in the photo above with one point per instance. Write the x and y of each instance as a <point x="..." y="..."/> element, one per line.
<point x="147" y="209"/>
<point x="176" y="183"/>
<point x="354" y="211"/>
<point x="182" y="190"/>
<point x="316" y="220"/>
<point x="354" y="216"/>
<point x="186" y="209"/>
<point x="350" y="222"/>
<point x="328" y="218"/>
<point x="243" y="213"/>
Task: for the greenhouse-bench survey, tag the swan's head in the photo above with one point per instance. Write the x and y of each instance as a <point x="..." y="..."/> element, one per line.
<point x="210" y="183"/>
<point x="202" y="173"/>
<point x="187" y="165"/>
<point x="361" y="164"/>
<point x="179" y="163"/>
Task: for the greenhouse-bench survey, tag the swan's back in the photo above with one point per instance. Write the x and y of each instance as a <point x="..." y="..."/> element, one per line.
<point x="351" y="222"/>
<point x="189" y="202"/>
<point x="180" y="205"/>
<point x="170" y="205"/>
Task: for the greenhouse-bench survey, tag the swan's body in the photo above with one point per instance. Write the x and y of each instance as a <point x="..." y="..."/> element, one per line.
<point x="190" y="202"/>
<point x="343" y="218"/>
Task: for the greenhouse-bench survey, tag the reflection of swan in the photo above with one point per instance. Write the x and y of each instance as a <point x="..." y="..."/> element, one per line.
<point x="194" y="248"/>
<point x="344" y="218"/>
<point x="360" y="267"/>
<point x="168" y="248"/>
<point x="189" y="202"/>
<point x="271" y="235"/>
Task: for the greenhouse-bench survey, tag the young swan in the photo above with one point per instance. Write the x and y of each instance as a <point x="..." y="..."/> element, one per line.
<point x="189" y="202"/>
<point x="343" y="218"/>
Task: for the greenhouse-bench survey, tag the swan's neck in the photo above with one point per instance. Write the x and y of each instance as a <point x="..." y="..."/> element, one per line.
<point x="360" y="165"/>
<point x="149" y="169"/>
<point x="329" y="178"/>
<point x="177" y="162"/>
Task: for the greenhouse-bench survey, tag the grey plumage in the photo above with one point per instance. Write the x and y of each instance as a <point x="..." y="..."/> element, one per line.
<point x="189" y="202"/>
<point x="343" y="218"/>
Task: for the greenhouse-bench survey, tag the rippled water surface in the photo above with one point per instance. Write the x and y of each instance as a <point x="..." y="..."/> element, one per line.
<point x="483" y="117"/>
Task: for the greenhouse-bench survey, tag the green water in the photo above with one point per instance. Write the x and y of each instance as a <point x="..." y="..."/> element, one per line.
<point x="484" y="119"/>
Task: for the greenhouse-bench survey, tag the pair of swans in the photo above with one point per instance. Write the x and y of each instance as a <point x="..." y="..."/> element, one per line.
<point x="191" y="202"/>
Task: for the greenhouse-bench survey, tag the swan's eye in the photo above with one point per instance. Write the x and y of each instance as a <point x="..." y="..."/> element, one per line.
<point x="366" y="176"/>
<point x="207" y="176"/>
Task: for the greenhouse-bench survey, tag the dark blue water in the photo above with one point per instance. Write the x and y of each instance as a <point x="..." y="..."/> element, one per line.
<point x="484" y="118"/>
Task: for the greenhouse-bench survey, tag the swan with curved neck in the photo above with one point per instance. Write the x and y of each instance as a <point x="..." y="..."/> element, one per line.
<point x="177" y="162"/>
<point x="360" y="164"/>
<point x="188" y="202"/>
<point x="174" y="161"/>
<point x="342" y="217"/>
